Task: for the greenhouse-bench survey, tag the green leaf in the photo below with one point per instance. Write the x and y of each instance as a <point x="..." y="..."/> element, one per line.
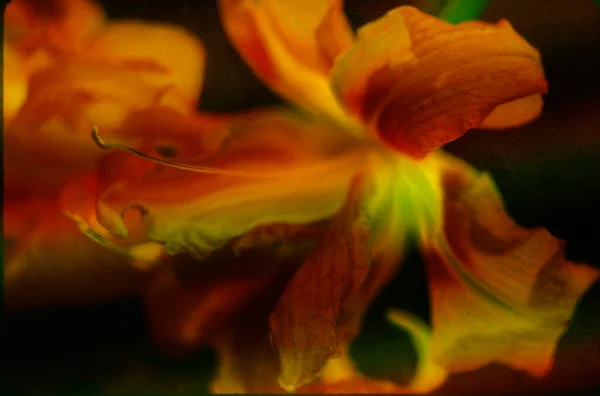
<point x="457" y="11"/>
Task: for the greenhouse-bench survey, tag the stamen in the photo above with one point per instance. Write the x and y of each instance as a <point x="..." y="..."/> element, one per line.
<point x="142" y="256"/>
<point x="96" y="236"/>
<point x="202" y="169"/>
<point x="344" y="162"/>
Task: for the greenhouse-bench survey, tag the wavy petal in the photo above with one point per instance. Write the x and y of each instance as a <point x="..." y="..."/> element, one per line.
<point x="290" y="45"/>
<point x="273" y="169"/>
<point x="304" y="322"/>
<point x="500" y="293"/>
<point x="419" y="82"/>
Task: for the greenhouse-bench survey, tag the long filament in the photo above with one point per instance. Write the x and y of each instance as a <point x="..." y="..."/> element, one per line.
<point x="346" y="161"/>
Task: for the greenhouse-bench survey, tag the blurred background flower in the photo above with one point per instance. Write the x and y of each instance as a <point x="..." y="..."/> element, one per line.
<point x="548" y="172"/>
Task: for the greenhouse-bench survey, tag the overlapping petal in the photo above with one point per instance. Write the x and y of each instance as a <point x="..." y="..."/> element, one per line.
<point x="49" y="261"/>
<point x="418" y="82"/>
<point x="225" y="305"/>
<point x="114" y="87"/>
<point x="59" y="26"/>
<point x="500" y="293"/>
<point x="276" y="168"/>
<point x="290" y="45"/>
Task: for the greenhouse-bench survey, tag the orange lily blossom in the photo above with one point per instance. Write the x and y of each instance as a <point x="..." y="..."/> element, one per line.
<point x="363" y="152"/>
<point x="66" y="69"/>
<point x="348" y="180"/>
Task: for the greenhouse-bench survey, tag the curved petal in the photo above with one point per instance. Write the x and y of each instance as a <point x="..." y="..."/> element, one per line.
<point x="304" y="323"/>
<point x="339" y="376"/>
<point x="419" y="82"/>
<point x="428" y="374"/>
<point x="290" y="45"/>
<point x="274" y="169"/>
<point x="500" y="293"/>
<point x="177" y="51"/>
<point x="15" y="83"/>
<point x="513" y="114"/>
<point x="59" y="26"/>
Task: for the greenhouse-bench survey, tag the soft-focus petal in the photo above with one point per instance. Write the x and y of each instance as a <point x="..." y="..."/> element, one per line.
<point x="226" y="305"/>
<point x="500" y="293"/>
<point x="53" y="127"/>
<point x="304" y="322"/>
<point x="419" y="82"/>
<point x="357" y="385"/>
<point x="177" y="51"/>
<point x="290" y="45"/>
<point x="58" y="25"/>
<point x="49" y="261"/>
<point x="182" y="316"/>
<point x="15" y="83"/>
<point x="286" y="169"/>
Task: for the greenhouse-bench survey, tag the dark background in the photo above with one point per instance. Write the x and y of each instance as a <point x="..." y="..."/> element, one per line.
<point x="548" y="172"/>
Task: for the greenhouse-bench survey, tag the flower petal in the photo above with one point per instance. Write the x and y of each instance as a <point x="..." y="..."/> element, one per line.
<point x="181" y="316"/>
<point x="500" y="293"/>
<point x="428" y="375"/>
<point x="15" y="83"/>
<point x="290" y="45"/>
<point x="60" y="26"/>
<point x="177" y="51"/>
<point x="189" y="135"/>
<point x="226" y="305"/>
<point x="49" y="261"/>
<point x="304" y="323"/>
<point x="513" y="114"/>
<point x="419" y="82"/>
<point x="274" y="169"/>
<point x="65" y="101"/>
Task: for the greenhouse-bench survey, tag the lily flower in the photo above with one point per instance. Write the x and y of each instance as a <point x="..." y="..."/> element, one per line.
<point x="66" y="69"/>
<point x="350" y="179"/>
